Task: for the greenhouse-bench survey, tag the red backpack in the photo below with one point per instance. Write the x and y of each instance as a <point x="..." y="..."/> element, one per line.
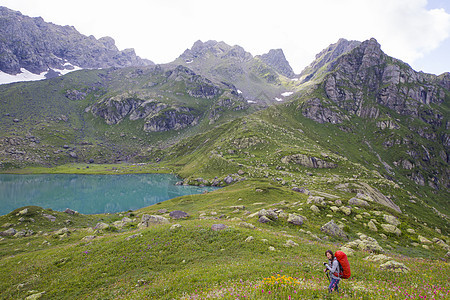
<point x="344" y="264"/>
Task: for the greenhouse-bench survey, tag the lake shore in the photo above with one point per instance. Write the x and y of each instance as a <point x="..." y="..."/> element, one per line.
<point x="94" y="169"/>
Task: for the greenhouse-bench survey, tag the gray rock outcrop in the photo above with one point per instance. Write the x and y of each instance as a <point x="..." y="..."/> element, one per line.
<point x="333" y="229"/>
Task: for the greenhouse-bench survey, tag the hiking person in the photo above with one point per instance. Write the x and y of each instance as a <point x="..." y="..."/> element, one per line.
<point x="333" y="267"/>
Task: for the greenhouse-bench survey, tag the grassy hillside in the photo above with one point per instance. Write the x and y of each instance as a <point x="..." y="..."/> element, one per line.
<point x="192" y="261"/>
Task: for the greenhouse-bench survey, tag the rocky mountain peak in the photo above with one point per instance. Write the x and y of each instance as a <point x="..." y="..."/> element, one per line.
<point x="327" y="56"/>
<point x="276" y="59"/>
<point x="37" y="46"/>
<point x="217" y="49"/>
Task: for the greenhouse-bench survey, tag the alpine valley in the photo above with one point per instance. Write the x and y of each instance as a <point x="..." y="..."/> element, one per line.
<point x="352" y="154"/>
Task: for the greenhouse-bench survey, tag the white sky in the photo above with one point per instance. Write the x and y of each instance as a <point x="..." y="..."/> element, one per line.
<point x="415" y="31"/>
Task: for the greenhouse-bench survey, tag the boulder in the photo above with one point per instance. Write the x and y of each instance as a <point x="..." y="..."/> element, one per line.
<point x="290" y="243"/>
<point x="334" y="208"/>
<point x="50" y="217"/>
<point x="295" y="219"/>
<point x="178" y="214"/>
<point x="22" y="212"/>
<point x="247" y="225"/>
<point x="424" y="240"/>
<point x="347" y="251"/>
<point x="175" y="227"/>
<point x="249" y="239"/>
<point x="101" y="226"/>
<point x="88" y="238"/>
<point x="372" y="226"/>
<point x="316" y="200"/>
<point x="264" y="219"/>
<point x="301" y="190"/>
<point x="394" y="266"/>
<point x="65" y="230"/>
<point x="358" y="202"/>
<point x="133" y="236"/>
<point x="228" y="179"/>
<point x="69" y="211"/>
<point x="8" y="232"/>
<point x="270" y="213"/>
<point x="346" y="210"/>
<point x="377" y="257"/>
<point x="331" y="228"/>
<point x="217" y="227"/>
<point x="151" y="219"/>
<point x="391" y="229"/>
<point x="162" y="211"/>
<point x="314" y="208"/>
<point x="365" y="243"/>
<point x="391" y="220"/>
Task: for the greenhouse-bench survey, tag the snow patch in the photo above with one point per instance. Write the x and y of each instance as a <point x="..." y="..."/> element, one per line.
<point x="239" y="91"/>
<point x="294" y="79"/>
<point x="251" y="101"/>
<point x="25" y="75"/>
<point x="278" y="99"/>
<point x="287" y="94"/>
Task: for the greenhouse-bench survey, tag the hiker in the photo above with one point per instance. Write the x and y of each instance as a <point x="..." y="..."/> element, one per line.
<point x="333" y="267"/>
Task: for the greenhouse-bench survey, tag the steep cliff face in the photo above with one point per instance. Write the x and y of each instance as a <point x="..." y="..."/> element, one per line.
<point x="407" y="107"/>
<point x="276" y="59"/>
<point x="165" y="98"/>
<point x="37" y="46"/>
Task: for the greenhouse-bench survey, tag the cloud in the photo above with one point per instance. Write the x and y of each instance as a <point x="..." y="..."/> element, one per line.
<point x="161" y="30"/>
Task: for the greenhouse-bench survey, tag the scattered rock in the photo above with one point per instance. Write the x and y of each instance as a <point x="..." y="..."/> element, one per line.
<point x="178" y="214"/>
<point x="410" y="230"/>
<point x="391" y="229"/>
<point x="264" y="219"/>
<point x="391" y="220"/>
<point x="424" y="240"/>
<point x="249" y="239"/>
<point x="8" y="232"/>
<point x="7" y="225"/>
<point x="334" y="208"/>
<point x="69" y="211"/>
<point x="228" y="179"/>
<point x="62" y="231"/>
<point x="379" y="257"/>
<point x="50" y="217"/>
<point x="247" y="225"/>
<point x="271" y="248"/>
<point x="35" y="296"/>
<point x="365" y="243"/>
<point x="133" y="236"/>
<point x="88" y="238"/>
<point x="162" y="211"/>
<point x="348" y="251"/>
<point x="332" y="229"/>
<point x="314" y="208"/>
<point x="175" y="227"/>
<point x="217" y="227"/>
<point x="346" y="210"/>
<point x="22" y="212"/>
<point x="101" y="226"/>
<point x="270" y="214"/>
<point x="295" y="219"/>
<point x="301" y="190"/>
<point x="290" y="243"/>
<point x="394" y="266"/>
<point x="151" y="219"/>
<point x="358" y="202"/>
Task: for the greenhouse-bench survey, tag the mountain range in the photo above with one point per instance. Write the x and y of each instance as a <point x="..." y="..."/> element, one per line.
<point x="354" y="121"/>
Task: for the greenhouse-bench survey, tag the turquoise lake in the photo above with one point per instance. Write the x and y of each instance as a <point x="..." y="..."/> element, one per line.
<point x="90" y="194"/>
